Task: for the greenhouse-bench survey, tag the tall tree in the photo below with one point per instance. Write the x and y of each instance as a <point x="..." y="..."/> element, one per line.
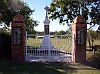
<point x="67" y="10"/>
<point x="9" y="8"/>
<point x="30" y="25"/>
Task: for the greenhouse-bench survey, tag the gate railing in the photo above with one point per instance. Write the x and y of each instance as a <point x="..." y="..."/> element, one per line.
<point x="60" y="42"/>
<point x="36" y="55"/>
<point x="63" y="42"/>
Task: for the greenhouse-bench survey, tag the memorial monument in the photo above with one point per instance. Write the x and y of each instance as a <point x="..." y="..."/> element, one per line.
<point x="46" y="51"/>
<point x="46" y="43"/>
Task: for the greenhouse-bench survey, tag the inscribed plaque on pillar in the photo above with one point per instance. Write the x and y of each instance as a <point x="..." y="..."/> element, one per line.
<point x="80" y="36"/>
<point x="16" y="36"/>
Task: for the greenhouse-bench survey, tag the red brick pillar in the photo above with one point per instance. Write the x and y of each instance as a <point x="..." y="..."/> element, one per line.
<point x="18" y="39"/>
<point x="79" y="34"/>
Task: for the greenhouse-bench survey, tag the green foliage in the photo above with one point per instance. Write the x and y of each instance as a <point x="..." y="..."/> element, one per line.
<point x="5" y="12"/>
<point x="67" y="10"/>
<point x="8" y="12"/>
<point x="30" y="24"/>
<point x="93" y="38"/>
<point x="5" y="43"/>
<point x="93" y="34"/>
<point x="61" y="32"/>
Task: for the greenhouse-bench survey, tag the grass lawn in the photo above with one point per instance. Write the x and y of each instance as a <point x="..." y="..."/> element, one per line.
<point x="59" y="43"/>
<point x="45" y="68"/>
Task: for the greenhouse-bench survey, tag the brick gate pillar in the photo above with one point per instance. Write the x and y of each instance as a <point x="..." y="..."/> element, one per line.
<point x="18" y="38"/>
<point x="79" y="34"/>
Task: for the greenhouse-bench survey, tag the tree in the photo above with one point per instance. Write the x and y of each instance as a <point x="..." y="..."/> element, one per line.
<point x="9" y="8"/>
<point x="5" y="41"/>
<point x="92" y="36"/>
<point x="67" y="10"/>
<point x="30" y="26"/>
<point x="61" y="32"/>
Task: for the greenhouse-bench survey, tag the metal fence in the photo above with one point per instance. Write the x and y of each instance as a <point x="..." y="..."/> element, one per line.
<point x="60" y="53"/>
<point x="63" y="42"/>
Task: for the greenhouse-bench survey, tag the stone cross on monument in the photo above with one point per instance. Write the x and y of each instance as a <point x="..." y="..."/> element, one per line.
<point x="46" y="22"/>
<point x="46" y="8"/>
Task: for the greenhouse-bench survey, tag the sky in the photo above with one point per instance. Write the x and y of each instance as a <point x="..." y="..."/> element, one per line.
<point x="39" y="15"/>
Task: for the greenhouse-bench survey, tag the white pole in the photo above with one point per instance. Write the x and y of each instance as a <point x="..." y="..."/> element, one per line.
<point x="37" y="53"/>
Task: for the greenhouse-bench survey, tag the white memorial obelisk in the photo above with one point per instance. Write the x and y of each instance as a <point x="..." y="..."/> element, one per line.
<point x="46" y="23"/>
<point x="46" y="43"/>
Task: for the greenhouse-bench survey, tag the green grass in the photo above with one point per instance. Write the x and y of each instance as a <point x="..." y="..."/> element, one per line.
<point x="96" y="42"/>
<point x="64" y="44"/>
<point x="34" y="42"/>
<point x="45" y="68"/>
<point x="90" y="53"/>
<point x="59" y="43"/>
<point x="63" y="69"/>
<point x="7" y="67"/>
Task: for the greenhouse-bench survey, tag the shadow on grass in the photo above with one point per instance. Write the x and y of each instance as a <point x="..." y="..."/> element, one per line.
<point x="35" y="68"/>
<point x="94" y="60"/>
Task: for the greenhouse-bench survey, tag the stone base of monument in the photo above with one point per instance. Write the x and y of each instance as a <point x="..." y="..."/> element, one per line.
<point x="46" y="43"/>
<point x="44" y="55"/>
